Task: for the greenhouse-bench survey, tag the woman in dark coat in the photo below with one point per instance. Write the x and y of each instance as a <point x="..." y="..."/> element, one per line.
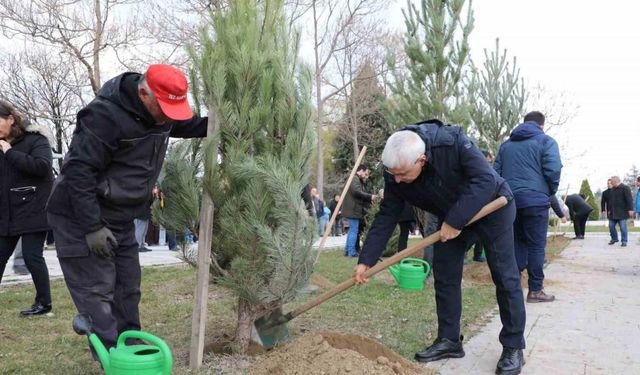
<point x="25" y="183"/>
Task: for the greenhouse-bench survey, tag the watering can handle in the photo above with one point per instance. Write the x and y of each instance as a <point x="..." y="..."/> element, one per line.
<point x="425" y="264"/>
<point x="492" y="206"/>
<point x="155" y="340"/>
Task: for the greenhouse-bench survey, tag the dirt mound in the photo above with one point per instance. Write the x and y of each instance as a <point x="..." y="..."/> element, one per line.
<point x="332" y="354"/>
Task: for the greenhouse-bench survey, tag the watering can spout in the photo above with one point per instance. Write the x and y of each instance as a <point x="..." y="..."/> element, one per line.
<point x="395" y="272"/>
<point x="101" y="351"/>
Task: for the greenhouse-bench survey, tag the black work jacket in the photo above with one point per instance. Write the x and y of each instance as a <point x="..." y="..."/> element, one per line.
<point x="115" y="157"/>
<point x="358" y="199"/>
<point x="454" y="185"/>
<point x="620" y="202"/>
<point x="25" y="183"/>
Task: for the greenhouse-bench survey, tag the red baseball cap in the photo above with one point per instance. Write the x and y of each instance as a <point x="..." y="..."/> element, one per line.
<point x="169" y="86"/>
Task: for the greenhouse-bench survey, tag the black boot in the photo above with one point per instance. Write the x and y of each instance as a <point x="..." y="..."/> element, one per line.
<point x="511" y="362"/>
<point x="36" y="309"/>
<point x="440" y="349"/>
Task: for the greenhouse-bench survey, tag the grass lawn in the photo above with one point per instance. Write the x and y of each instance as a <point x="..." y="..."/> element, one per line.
<point x="594" y="228"/>
<point x="402" y="320"/>
<point x="605" y="229"/>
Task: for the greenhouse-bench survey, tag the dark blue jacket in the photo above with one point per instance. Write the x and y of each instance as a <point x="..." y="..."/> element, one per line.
<point x="455" y="183"/>
<point x="530" y="162"/>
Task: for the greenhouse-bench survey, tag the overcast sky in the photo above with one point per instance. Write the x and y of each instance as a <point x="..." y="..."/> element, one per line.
<point x="588" y="49"/>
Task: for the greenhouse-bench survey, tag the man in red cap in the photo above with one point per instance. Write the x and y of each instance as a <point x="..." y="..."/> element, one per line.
<point x="114" y="159"/>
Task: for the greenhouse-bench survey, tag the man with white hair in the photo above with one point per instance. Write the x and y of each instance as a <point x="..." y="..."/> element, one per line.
<point x="436" y="168"/>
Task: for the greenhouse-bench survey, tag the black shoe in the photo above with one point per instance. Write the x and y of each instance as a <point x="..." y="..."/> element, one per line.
<point x="143" y="249"/>
<point x="510" y="362"/>
<point x="624" y="244"/>
<point x="440" y="349"/>
<point x="612" y="242"/>
<point x="36" y="309"/>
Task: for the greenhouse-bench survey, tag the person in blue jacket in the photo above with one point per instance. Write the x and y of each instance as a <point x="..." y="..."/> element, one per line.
<point x="436" y="168"/>
<point x="638" y="198"/>
<point x="530" y="162"/>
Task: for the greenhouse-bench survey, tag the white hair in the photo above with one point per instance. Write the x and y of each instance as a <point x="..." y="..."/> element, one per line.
<point x="402" y="148"/>
<point x="145" y="85"/>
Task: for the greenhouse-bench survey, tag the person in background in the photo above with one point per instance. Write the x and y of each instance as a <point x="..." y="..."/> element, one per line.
<point x="337" y="224"/>
<point x="579" y="211"/>
<point x="638" y="198"/>
<point x="354" y="208"/>
<point x="620" y="208"/>
<point x="530" y="162"/>
<point x="26" y="169"/>
<point x="141" y="223"/>
<point x="318" y="209"/>
<point x="405" y="221"/>
<point x="19" y="268"/>
<point x="604" y="204"/>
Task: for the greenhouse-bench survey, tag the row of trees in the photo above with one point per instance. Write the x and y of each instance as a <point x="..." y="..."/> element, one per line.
<point x="366" y="80"/>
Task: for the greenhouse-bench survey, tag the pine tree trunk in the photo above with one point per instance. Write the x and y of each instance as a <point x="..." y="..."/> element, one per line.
<point x="245" y="325"/>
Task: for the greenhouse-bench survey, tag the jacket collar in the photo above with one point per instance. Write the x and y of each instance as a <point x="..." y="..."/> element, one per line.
<point x="432" y="133"/>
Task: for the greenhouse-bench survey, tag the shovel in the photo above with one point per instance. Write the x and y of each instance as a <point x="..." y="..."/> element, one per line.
<point x="272" y="328"/>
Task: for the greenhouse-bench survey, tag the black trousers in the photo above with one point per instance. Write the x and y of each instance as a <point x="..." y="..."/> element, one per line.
<point x="579" y="224"/>
<point x="496" y="232"/>
<point x="32" y="246"/>
<point x="405" y="226"/>
<point x="108" y="289"/>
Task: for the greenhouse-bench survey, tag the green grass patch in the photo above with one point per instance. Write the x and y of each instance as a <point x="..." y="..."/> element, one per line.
<point x="605" y="229"/>
<point x="405" y="321"/>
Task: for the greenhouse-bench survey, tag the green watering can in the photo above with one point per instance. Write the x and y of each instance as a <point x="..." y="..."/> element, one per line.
<point x="410" y="273"/>
<point x="155" y="359"/>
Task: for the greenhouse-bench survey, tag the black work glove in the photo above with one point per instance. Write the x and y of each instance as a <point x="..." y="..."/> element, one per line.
<point x="102" y="242"/>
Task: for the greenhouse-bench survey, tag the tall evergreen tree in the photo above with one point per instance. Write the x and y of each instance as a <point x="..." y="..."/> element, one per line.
<point x="585" y="189"/>
<point x="257" y="162"/>
<point x="437" y="49"/>
<point x="497" y="95"/>
<point x="363" y="125"/>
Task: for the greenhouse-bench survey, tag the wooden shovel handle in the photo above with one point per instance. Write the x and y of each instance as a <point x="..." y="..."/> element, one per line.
<point x="411" y="250"/>
<point x="339" y="205"/>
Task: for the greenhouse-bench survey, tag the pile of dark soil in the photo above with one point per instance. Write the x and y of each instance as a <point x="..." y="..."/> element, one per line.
<point x="329" y="353"/>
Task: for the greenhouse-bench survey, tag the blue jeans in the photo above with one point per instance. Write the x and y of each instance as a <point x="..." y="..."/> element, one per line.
<point x="530" y="235"/>
<point x="352" y="237"/>
<point x="322" y="225"/>
<point x="614" y="233"/>
<point x="171" y="240"/>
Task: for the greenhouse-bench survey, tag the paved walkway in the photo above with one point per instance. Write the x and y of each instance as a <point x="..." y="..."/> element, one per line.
<point x="159" y="256"/>
<point x="593" y="327"/>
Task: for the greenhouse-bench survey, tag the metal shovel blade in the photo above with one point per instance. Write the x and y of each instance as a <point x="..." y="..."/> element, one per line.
<point x="272" y="329"/>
